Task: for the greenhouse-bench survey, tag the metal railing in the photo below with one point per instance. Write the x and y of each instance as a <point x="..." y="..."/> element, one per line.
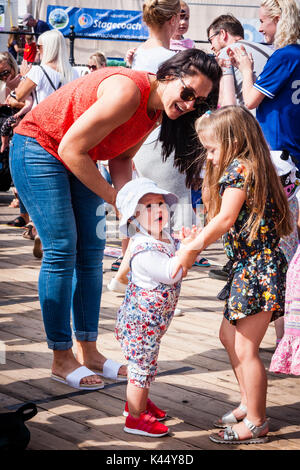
<point x="72" y="36"/>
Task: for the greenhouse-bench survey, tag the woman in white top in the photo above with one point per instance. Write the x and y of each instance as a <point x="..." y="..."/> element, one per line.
<point x="53" y="71"/>
<point x="40" y="81"/>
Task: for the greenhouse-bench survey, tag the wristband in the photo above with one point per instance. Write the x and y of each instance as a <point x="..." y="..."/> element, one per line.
<point x="13" y="95"/>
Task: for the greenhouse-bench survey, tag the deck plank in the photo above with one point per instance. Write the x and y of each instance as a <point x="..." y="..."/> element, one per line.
<point x="195" y="382"/>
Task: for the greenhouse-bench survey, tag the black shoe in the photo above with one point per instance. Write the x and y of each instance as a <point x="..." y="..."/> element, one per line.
<point x="221" y="274"/>
<point x="218" y="274"/>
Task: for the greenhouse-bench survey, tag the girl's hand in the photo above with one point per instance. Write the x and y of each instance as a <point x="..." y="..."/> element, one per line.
<point x="186" y="259"/>
<point x="240" y="58"/>
<point x="187" y="234"/>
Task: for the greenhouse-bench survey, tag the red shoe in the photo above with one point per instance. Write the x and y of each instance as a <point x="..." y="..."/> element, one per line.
<point x="159" y="414"/>
<point x="145" y="425"/>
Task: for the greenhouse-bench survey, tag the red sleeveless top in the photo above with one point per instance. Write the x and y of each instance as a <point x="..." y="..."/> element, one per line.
<point x="49" y="121"/>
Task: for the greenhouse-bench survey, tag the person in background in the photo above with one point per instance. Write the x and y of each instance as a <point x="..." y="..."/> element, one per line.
<point x="40" y="81"/>
<point x="178" y="42"/>
<point x="14" y="43"/>
<point x="225" y="31"/>
<point x="96" y="61"/>
<point x="275" y="92"/>
<point x="30" y="49"/>
<point x="39" y="26"/>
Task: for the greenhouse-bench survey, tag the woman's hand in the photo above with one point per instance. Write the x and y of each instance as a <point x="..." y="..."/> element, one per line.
<point x="24" y="68"/>
<point x="240" y="59"/>
<point x="129" y="56"/>
<point x="13" y="103"/>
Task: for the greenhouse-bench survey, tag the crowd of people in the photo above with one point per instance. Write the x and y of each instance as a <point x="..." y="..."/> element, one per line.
<point x="179" y="119"/>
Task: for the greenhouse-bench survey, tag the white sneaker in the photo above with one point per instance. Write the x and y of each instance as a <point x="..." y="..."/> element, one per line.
<point x="178" y="312"/>
<point x="116" y="286"/>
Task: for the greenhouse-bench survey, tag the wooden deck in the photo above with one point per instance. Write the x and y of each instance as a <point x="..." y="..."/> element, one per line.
<point x="195" y="382"/>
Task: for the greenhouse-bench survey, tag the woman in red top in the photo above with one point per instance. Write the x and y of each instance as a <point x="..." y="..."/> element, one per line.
<point x="105" y="115"/>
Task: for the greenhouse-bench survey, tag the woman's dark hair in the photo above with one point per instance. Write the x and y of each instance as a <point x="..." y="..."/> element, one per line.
<point x="178" y="136"/>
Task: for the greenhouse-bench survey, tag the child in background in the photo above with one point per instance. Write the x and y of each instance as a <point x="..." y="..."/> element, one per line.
<point x="286" y="359"/>
<point x="29" y="49"/>
<point x="150" y="298"/>
<point x="248" y="205"/>
<point x="289" y="177"/>
<point x="178" y="42"/>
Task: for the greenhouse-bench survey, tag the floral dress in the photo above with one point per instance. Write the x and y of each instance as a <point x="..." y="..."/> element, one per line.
<point x="143" y="319"/>
<point x="256" y="281"/>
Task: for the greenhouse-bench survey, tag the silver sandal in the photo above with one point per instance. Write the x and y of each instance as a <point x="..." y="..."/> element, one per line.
<point x="231" y="436"/>
<point x="229" y="418"/>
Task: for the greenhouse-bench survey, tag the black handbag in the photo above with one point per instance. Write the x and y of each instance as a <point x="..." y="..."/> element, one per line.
<point x="14" y="435"/>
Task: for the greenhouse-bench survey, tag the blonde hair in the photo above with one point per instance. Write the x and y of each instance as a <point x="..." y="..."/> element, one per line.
<point x="288" y="27"/>
<point x="8" y="58"/>
<point x="158" y="12"/>
<point x="99" y="58"/>
<point x="240" y="137"/>
<point x="55" y="50"/>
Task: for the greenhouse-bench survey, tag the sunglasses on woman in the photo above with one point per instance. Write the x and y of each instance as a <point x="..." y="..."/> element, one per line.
<point x="92" y="67"/>
<point x="5" y="73"/>
<point x="188" y="94"/>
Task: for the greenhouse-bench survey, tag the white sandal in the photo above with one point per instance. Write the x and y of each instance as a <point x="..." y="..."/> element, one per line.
<point x="229" y="418"/>
<point x="73" y="379"/>
<point x="231" y="436"/>
<point x="110" y="371"/>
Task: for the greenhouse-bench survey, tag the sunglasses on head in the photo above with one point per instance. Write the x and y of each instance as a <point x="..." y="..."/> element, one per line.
<point x="188" y="94"/>
<point x="92" y="67"/>
<point x="5" y="73"/>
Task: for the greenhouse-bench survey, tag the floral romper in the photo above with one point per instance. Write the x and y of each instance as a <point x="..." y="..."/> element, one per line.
<point x="257" y="278"/>
<point x="143" y="319"/>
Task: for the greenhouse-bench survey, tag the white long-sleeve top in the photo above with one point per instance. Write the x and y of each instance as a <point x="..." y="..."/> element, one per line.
<point x="150" y="268"/>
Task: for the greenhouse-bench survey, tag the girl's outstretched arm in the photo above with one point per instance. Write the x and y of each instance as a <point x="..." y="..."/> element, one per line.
<point x="232" y="202"/>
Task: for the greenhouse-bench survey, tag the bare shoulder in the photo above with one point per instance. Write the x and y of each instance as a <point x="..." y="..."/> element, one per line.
<point x="120" y="87"/>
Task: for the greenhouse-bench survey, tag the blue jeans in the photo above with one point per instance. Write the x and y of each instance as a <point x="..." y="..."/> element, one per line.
<point x="70" y="221"/>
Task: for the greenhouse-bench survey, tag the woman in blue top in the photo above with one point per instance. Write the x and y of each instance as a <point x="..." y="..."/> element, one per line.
<point x="276" y="92"/>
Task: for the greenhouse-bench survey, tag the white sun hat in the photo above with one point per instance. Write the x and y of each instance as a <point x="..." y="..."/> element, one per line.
<point x="128" y="198"/>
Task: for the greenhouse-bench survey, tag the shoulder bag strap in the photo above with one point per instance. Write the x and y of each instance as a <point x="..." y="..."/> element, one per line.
<point x="49" y="79"/>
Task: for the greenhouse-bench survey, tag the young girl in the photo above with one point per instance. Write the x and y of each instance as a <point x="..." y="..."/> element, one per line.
<point x="150" y="298"/>
<point x="178" y="42"/>
<point x="247" y="204"/>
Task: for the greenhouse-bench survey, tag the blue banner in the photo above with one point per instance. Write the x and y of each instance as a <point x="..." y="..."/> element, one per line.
<point x="89" y="22"/>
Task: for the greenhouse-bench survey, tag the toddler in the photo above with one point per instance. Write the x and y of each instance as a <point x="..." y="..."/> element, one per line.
<point x="150" y="299"/>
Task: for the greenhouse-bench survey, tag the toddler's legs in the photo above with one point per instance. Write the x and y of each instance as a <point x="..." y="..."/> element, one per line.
<point x="137" y="399"/>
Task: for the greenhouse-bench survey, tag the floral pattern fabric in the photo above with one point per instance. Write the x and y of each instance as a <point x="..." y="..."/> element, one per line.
<point x="286" y="359"/>
<point x="142" y="320"/>
<point x="256" y="281"/>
